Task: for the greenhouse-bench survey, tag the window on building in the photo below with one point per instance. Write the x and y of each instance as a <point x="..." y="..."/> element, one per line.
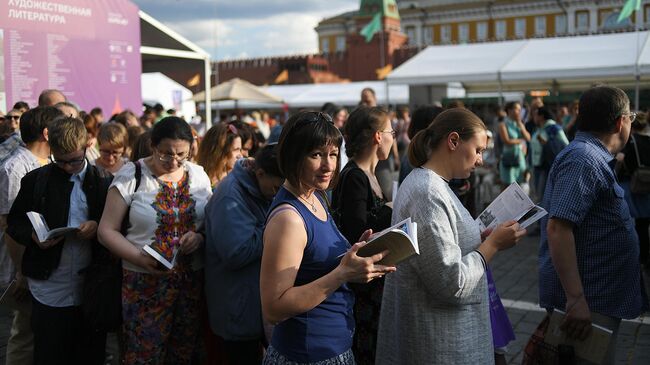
<point x="325" y="45"/>
<point x="540" y="26"/>
<point x="582" y="21"/>
<point x="463" y="33"/>
<point x="445" y="33"/>
<point x="500" y="29"/>
<point x="481" y="31"/>
<point x="427" y="35"/>
<point x="340" y="43"/>
<point x="410" y="32"/>
<point x="520" y="28"/>
<point x="560" y="24"/>
<point x="646" y="14"/>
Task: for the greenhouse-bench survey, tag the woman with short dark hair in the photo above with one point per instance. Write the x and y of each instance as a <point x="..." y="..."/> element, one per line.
<point x="307" y="263"/>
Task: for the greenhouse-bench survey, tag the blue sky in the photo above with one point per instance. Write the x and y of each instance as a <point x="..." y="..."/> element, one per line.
<point x="247" y="28"/>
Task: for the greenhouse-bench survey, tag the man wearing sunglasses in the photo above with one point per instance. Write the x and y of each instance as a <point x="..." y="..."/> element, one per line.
<point x="68" y="192"/>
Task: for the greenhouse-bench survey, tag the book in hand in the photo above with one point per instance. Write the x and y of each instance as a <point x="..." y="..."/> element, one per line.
<point x="43" y="232"/>
<point x="592" y="349"/>
<point x="511" y="204"/>
<point x="167" y="259"/>
<point x="401" y="240"/>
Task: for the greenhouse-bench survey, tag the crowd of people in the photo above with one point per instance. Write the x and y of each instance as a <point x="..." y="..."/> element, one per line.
<point x="238" y="245"/>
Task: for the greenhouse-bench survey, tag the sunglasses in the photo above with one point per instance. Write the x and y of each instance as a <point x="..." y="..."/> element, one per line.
<point x="16" y="117"/>
<point x="232" y="129"/>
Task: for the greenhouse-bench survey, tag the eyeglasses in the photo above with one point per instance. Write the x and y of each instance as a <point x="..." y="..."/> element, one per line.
<point x="180" y="158"/>
<point x="16" y="117"/>
<point x="114" y="153"/>
<point x="632" y="116"/>
<point x="72" y="163"/>
<point x="392" y="132"/>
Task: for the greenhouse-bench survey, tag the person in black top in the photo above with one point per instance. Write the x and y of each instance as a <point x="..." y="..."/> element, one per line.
<point x="359" y="204"/>
<point x="639" y="203"/>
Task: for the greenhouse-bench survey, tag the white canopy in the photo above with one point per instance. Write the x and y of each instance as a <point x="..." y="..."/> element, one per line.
<point x="569" y="63"/>
<point x="315" y="95"/>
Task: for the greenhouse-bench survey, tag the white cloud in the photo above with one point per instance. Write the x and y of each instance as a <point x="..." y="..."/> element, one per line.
<point x="282" y="33"/>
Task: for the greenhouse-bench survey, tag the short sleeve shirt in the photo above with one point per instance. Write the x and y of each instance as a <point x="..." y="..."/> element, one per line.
<point x="149" y="215"/>
<point x="582" y="188"/>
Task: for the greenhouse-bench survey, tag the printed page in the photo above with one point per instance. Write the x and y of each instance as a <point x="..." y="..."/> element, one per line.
<point x="39" y="224"/>
<point x="511" y="204"/>
<point x="400" y="240"/>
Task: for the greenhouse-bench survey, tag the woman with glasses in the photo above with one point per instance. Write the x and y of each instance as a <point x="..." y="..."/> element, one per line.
<point x="306" y="262"/>
<point x="113" y="139"/>
<point x="219" y="150"/>
<point x="360" y="204"/>
<point x="160" y="307"/>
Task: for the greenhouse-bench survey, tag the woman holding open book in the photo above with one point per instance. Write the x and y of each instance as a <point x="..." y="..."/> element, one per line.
<point x="306" y="262"/>
<point x="360" y="204"/>
<point x="435" y="308"/>
<point x="161" y="199"/>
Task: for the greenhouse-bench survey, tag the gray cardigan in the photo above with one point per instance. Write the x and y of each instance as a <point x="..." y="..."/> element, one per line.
<point x="435" y="307"/>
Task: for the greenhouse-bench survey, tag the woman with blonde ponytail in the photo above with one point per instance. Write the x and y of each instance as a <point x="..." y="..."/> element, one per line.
<point x="435" y="307"/>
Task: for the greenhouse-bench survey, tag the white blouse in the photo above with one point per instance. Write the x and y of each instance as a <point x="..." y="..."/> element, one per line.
<point x="151" y="220"/>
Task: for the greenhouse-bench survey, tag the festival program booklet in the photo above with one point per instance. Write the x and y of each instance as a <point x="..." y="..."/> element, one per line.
<point x="593" y="348"/>
<point x="43" y="232"/>
<point x="401" y="240"/>
<point x="511" y="204"/>
<point x="167" y="260"/>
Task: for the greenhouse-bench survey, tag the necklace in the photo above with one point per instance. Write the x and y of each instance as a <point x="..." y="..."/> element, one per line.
<point x="313" y="205"/>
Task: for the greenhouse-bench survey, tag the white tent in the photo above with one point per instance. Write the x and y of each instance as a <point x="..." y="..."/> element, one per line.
<point x="570" y="63"/>
<point x="315" y="95"/>
<point x="158" y="88"/>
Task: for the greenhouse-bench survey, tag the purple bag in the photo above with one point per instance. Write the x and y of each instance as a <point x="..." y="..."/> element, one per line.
<point x="502" y="332"/>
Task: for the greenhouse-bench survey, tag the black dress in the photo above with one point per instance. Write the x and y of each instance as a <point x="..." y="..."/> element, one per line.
<point x="357" y="208"/>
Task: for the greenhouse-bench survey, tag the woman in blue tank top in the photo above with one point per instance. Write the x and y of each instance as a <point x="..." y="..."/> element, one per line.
<point x="307" y="263"/>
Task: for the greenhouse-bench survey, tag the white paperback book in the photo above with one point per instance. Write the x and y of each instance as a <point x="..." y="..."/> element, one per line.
<point x="401" y="240"/>
<point x="511" y="204"/>
<point x="43" y="232"/>
<point x="168" y="263"/>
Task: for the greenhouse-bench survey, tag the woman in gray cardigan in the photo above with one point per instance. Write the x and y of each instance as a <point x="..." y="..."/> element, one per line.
<point x="435" y="307"/>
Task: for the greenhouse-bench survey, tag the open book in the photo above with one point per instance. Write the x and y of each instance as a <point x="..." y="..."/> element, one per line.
<point x="511" y="204"/>
<point x="593" y="348"/>
<point x="401" y="240"/>
<point x="43" y="232"/>
<point x="168" y="260"/>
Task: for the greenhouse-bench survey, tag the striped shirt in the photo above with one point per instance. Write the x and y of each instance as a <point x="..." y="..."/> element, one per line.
<point x="582" y="188"/>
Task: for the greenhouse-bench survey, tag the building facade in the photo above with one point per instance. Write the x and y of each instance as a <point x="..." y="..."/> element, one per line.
<point x="436" y="22"/>
<point x="409" y="26"/>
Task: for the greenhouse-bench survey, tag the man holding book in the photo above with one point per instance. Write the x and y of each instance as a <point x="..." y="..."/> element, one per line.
<point x="588" y="261"/>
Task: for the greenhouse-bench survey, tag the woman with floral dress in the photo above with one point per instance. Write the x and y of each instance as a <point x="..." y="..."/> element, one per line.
<point x="165" y="211"/>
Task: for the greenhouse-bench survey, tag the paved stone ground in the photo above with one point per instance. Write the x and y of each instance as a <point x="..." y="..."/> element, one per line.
<point x="515" y="273"/>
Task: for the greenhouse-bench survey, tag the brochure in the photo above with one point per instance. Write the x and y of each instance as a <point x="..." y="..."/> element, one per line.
<point x="511" y="204"/>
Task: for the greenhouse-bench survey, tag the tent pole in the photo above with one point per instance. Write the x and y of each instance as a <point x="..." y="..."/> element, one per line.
<point x="637" y="74"/>
<point x="208" y="107"/>
<point x="500" y="88"/>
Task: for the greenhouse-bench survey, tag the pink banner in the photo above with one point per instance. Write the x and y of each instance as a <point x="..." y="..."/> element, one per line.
<point x="89" y="49"/>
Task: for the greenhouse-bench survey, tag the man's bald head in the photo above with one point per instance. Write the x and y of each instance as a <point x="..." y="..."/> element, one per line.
<point x="51" y="97"/>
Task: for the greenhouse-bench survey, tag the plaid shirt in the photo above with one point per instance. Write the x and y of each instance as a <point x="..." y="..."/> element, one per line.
<point x="582" y="189"/>
<point x="10" y="145"/>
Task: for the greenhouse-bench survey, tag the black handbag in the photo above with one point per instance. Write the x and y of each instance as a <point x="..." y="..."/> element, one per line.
<point x="510" y="157"/>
